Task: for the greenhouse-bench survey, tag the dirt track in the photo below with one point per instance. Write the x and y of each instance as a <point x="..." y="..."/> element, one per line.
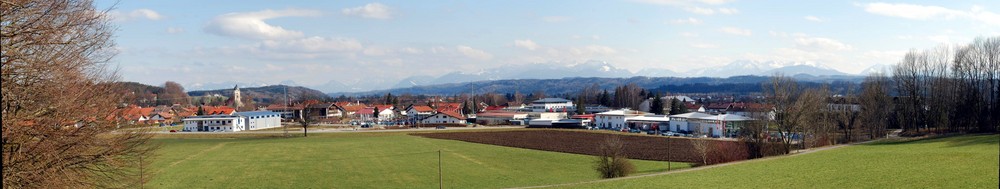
<point x="580" y="142"/>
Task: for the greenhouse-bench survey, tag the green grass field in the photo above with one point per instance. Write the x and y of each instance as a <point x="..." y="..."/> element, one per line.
<point x="953" y="162"/>
<point x="361" y="160"/>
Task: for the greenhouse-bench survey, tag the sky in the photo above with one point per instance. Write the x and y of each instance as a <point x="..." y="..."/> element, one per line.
<point x="313" y="42"/>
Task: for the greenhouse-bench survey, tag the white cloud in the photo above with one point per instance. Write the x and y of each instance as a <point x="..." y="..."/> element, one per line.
<point x="699" y="10"/>
<point x="473" y="53"/>
<point x="174" y="30"/>
<point x="251" y="25"/>
<point x="526" y="44"/>
<point x="370" y="10"/>
<point x="685" y="2"/>
<point x="590" y="50"/>
<point x="736" y="31"/>
<point x="813" y="18"/>
<point x="704" y="46"/>
<point x="311" y="45"/>
<point x="689" y="20"/>
<point x="728" y="11"/>
<point x="820" y="44"/>
<point x="689" y="34"/>
<point x="940" y="39"/>
<point x="926" y="12"/>
<point x="556" y="18"/>
<point x="138" y="14"/>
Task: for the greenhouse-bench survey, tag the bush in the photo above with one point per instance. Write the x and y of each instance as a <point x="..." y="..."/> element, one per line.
<point x="612" y="161"/>
<point x="723" y="152"/>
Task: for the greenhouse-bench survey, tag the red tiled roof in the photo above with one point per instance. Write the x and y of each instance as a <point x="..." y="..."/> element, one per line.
<point x="365" y="111"/>
<point x="453" y="114"/>
<point x="353" y="108"/>
<point x="423" y="108"/>
<point x="218" y="110"/>
<point x="488" y="108"/>
<point x="692" y="106"/>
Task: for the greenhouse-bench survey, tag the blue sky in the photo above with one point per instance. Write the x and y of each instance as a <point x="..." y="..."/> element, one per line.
<point x="311" y="43"/>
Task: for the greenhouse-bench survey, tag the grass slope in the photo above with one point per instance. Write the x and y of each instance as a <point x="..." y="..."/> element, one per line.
<point x="362" y="160"/>
<point x="952" y="162"/>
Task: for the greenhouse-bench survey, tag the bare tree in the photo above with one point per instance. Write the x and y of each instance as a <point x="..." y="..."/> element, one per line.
<point x="59" y="99"/>
<point x="875" y="104"/>
<point x="613" y="161"/>
<point x="782" y="92"/>
<point x="701" y="147"/>
<point x="173" y="93"/>
<point x="810" y="110"/>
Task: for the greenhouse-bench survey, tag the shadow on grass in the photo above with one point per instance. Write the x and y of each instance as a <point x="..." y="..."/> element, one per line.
<point x="950" y="140"/>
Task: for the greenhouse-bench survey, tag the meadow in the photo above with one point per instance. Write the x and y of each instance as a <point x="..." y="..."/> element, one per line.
<point x="361" y="160"/>
<point x="951" y="162"/>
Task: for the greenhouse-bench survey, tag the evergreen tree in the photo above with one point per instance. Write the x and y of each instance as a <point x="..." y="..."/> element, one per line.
<point x="656" y="105"/>
<point x="580" y="107"/>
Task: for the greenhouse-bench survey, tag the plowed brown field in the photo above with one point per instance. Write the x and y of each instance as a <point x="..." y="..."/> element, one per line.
<point x="580" y="142"/>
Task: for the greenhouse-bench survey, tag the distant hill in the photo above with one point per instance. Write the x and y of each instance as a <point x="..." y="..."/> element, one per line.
<point x="266" y="94"/>
<point x="737" y="84"/>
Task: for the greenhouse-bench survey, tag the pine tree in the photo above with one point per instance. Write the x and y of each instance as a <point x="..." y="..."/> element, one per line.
<point x="656" y="105"/>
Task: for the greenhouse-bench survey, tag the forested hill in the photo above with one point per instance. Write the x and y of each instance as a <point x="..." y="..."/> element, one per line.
<point x="735" y="84"/>
<point x="266" y="94"/>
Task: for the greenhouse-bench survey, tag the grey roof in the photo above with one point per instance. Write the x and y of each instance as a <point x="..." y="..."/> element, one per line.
<point x="257" y="113"/>
<point x="551" y="100"/>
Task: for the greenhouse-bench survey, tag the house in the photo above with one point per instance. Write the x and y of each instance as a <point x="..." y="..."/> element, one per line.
<point x="615" y="119"/>
<point x="351" y="109"/>
<point x="287" y="112"/>
<point x="552" y="105"/>
<point x="501" y="118"/>
<point x="415" y="113"/>
<point x="240" y="121"/>
<point x="695" y="107"/>
<point x="594" y="108"/>
<point x="324" y="110"/>
<point x="444" y="117"/>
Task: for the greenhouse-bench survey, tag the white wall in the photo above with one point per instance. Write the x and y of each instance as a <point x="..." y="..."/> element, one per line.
<point x="441" y="118"/>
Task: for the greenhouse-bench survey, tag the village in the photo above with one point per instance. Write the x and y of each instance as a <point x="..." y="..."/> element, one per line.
<point x="681" y="116"/>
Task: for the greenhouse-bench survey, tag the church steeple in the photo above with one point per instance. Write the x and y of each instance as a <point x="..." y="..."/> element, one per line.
<point x="237" y="102"/>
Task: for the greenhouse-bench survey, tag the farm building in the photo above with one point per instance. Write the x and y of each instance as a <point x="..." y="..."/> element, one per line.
<point x="552" y="105"/>
<point x="240" y="121"/>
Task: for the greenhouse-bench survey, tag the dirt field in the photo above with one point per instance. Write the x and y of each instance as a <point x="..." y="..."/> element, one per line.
<point x="581" y="142"/>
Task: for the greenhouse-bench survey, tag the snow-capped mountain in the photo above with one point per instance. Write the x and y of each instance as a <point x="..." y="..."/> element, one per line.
<point x="878" y="68"/>
<point x="556" y="70"/>
<point x="764" y="68"/>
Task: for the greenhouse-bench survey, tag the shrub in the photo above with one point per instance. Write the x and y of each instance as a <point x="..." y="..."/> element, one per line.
<point x="723" y="152"/>
<point x="612" y="161"/>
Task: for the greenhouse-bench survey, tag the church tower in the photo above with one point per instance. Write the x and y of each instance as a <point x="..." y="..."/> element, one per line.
<point x="237" y="102"/>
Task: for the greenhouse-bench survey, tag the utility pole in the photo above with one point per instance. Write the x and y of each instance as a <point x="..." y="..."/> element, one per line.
<point x="141" y="184"/>
<point x="440" y="175"/>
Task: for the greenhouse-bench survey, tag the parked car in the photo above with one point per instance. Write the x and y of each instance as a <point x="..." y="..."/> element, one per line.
<point x="173" y="131"/>
<point x="440" y="127"/>
<point x="651" y="132"/>
<point x="634" y="131"/>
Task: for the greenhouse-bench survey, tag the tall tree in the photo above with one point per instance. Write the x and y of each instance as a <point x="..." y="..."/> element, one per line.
<point x="782" y="92"/>
<point x="173" y="93"/>
<point x="656" y="105"/>
<point x="57" y="97"/>
<point x="875" y="105"/>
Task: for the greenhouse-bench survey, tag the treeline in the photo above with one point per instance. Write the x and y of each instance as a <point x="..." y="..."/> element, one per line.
<point x="945" y="89"/>
<point x="950" y="88"/>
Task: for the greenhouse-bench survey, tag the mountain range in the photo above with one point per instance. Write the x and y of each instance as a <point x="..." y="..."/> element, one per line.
<point x="600" y="69"/>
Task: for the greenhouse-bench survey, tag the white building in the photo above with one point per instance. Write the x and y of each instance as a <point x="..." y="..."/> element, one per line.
<point x="722" y="125"/>
<point x="615" y="118"/>
<point x="240" y="121"/>
<point x="649" y="122"/>
<point x="552" y="105"/>
<point x="444" y="117"/>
